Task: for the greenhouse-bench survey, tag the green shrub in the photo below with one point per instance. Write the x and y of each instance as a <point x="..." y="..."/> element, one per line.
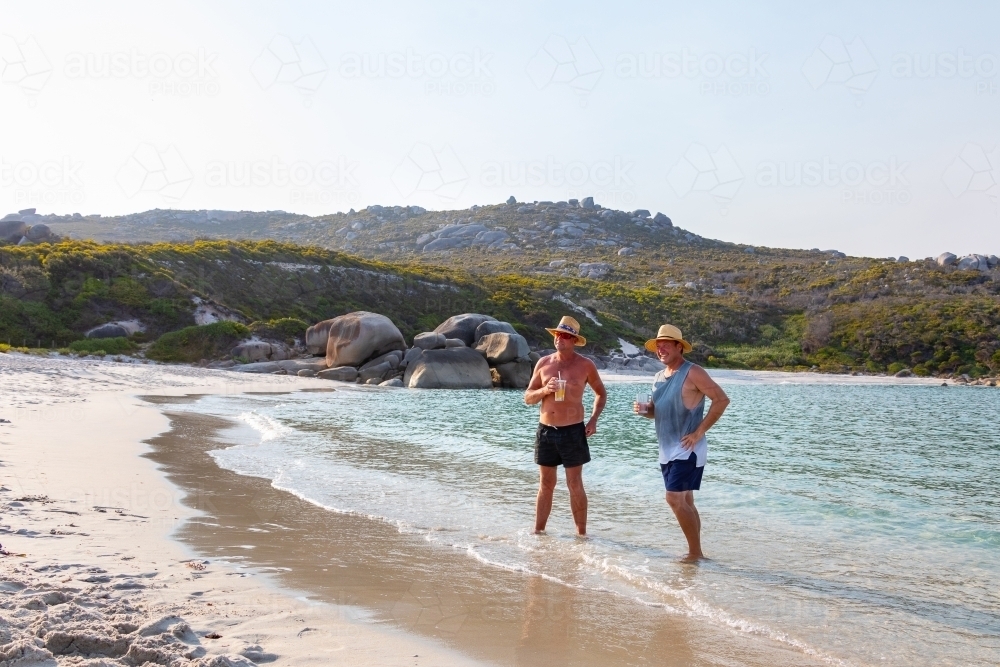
<point x="779" y="354"/>
<point x="106" y="345"/>
<point x="895" y="367"/>
<point x="281" y="329"/>
<point x="192" y="344"/>
<point x="4" y="348"/>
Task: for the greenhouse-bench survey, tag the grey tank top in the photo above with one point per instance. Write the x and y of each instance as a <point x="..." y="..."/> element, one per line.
<point x="673" y="419"/>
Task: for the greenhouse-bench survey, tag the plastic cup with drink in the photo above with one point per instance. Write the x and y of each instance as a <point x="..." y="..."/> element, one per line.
<point x="560" y="388"/>
<point x="642" y="402"/>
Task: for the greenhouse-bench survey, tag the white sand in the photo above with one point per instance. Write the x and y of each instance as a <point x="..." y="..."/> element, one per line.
<point x="100" y="582"/>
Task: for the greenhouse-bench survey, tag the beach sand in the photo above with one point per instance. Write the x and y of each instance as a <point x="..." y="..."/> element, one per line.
<point x="89" y="521"/>
<point x="131" y="542"/>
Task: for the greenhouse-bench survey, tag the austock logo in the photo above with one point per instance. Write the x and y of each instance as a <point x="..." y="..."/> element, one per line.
<point x="975" y="170"/>
<point x="181" y="74"/>
<point x="876" y="182"/>
<point x="286" y="62"/>
<point x="151" y="170"/>
<point x="427" y="608"/>
<point x="700" y="170"/>
<point x="559" y="62"/>
<point x="733" y="74"/>
<point x="425" y="170"/>
<point x="50" y="182"/>
<point x="835" y="62"/>
<point x="24" y="64"/>
<point x="324" y="182"/>
<point x="458" y="74"/>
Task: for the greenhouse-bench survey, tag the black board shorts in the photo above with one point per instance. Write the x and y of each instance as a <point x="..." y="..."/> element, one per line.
<point x="561" y="445"/>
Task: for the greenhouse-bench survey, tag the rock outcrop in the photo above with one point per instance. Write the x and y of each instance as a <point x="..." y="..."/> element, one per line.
<point x="457" y="368"/>
<point x="392" y="358"/>
<point x="515" y="374"/>
<point x="429" y="340"/>
<point x="376" y="372"/>
<point x="947" y="259"/>
<point x="12" y="231"/>
<point x="297" y="366"/>
<point x="974" y="262"/>
<point x="492" y="326"/>
<point x="259" y="367"/>
<point x="359" y="336"/>
<point x="501" y="348"/>
<point x="341" y="374"/>
<point x="463" y="327"/>
<point x="39" y="233"/>
<point x="594" y="270"/>
<point x="259" y="350"/>
<point x="317" y="336"/>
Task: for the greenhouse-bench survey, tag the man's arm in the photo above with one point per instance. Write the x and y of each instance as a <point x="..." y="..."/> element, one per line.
<point x="536" y="390"/>
<point x="706" y="385"/>
<point x="600" y="397"/>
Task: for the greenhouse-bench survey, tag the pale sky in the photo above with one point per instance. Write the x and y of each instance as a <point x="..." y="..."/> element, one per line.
<point x="869" y="129"/>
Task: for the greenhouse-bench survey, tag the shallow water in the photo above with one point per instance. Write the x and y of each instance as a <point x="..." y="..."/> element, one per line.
<point x="854" y="523"/>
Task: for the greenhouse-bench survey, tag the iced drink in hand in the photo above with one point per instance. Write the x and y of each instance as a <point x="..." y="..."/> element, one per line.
<point x="560" y="390"/>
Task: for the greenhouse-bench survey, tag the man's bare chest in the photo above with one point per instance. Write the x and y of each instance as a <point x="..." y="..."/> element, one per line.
<point x="573" y="373"/>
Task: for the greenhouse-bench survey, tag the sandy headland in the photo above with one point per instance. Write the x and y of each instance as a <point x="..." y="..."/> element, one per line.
<point x="125" y="543"/>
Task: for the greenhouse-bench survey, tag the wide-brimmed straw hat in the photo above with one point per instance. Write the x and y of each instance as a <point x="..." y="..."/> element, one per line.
<point x="668" y="332"/>
<point x="568" y="325"/>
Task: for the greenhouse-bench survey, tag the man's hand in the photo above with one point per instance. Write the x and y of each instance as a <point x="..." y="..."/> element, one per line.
<point x="537" y="391"/>
<point x="648" y="414"/>
<point x="591" y="427"/>
<point x="689" y="441"/>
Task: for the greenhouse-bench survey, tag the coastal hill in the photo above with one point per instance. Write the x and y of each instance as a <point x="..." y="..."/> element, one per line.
<point x="621" y="273"/>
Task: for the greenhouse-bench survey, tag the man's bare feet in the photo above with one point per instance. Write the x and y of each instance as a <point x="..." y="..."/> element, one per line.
<point x="689" y="559"/>
<point x="539" y="532"/>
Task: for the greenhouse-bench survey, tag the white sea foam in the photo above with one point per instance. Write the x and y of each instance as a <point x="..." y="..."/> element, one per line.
<point x="268" y="427"/>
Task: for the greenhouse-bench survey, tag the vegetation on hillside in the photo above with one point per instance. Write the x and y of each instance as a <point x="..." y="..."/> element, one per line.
<point x="192" y="344"/>
<point x="767" y="309"/>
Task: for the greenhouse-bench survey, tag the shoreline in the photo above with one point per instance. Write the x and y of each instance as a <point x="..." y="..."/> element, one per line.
<point x="493" y="614"/>
<point x="88" y="525"/>
<point x="153" y="551"/>
<point x="198" y="551"/>
<point x="616" y="375"/>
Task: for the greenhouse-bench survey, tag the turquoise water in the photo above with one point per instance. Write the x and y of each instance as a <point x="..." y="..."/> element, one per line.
<point x="860" y="524"/>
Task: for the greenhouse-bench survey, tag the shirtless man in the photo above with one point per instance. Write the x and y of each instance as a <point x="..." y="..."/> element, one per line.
<point x="679" y="393"/>
<point x="562" y="437"/>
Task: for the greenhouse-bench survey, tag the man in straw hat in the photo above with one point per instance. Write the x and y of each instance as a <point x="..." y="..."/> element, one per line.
<point x="678" y="408"/>
<point x="558" y="383"/>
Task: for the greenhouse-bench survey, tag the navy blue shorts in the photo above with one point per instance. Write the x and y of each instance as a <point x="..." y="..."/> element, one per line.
<point x="561" y="445"/>
<point x="682" y="475"/>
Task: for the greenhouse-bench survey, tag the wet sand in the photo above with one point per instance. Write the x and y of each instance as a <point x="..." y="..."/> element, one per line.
<point x="491" y="614"/>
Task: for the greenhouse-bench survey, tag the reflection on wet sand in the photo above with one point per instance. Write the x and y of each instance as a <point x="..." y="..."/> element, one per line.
<point x="493" y="614"/>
